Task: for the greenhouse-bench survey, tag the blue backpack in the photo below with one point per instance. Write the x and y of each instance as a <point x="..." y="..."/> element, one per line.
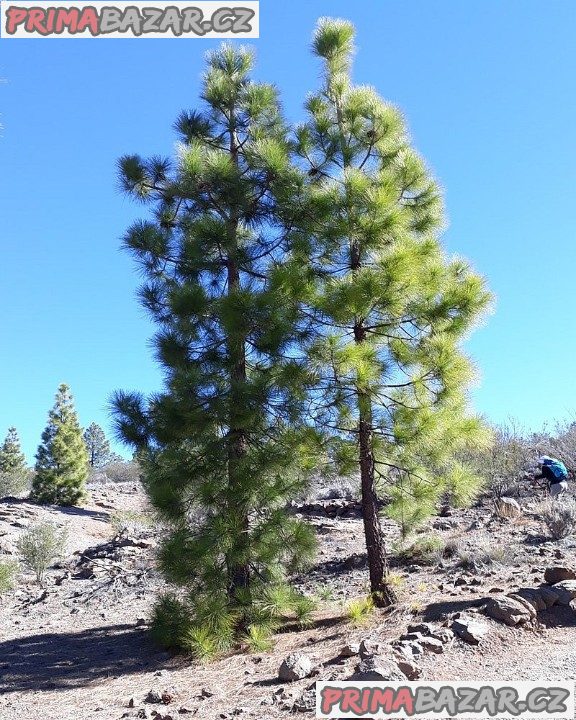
<point x="558" y="468"/>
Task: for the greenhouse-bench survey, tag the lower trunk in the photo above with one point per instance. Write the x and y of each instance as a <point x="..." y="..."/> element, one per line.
<point x="238" y="570"/>
<point x="382" y="593"/>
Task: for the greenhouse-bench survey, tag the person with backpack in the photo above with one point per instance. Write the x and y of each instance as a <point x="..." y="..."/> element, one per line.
<point x="556" y="473"/>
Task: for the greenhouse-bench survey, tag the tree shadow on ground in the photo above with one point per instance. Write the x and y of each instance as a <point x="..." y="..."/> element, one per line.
<point x="62" y="509"/>
<point x="82" y="512"/>
<point x="58" y="661"/>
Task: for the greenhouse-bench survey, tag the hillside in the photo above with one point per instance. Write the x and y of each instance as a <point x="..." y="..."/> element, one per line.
<point x="78" y="648"/>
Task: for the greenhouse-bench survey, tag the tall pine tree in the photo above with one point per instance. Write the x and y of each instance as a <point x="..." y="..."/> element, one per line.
<point x="97" y="446"/>
<point x="13" y="470"/>
<point x="388" y="307"/>
<point x="221" y="446"/>
<point x="61" y="459"/>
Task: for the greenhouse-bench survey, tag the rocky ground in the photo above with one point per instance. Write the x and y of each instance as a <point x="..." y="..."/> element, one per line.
<point x="489" y="598"/>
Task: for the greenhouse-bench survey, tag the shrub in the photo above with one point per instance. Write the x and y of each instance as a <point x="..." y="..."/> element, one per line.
<point x="15" y="484"/>
<point x="452" y="548"/>
<point x="8" y="570"/>
<point x="483" y="553"/>
<point x="121" y="471"/>
<point x="426" y="550"/>
<point x="359" y="611"/>
<point x="131" y="521"/>
<point x="40" y="545"/>
<point x="258" y="639"/>
<point x="559" y="517"/>
<point x="503" y="464"/>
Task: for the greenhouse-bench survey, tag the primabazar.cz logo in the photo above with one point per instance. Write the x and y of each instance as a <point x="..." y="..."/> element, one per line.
<point x="436" y="700"/>
<point x="130" y="19"/>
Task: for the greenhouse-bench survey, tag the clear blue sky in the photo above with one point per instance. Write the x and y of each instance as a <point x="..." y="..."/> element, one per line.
<point x="488" y="90"/>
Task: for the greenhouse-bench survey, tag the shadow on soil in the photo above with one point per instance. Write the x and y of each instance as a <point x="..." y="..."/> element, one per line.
<point x="68" y="660"/>
<point x="60" y="509"/>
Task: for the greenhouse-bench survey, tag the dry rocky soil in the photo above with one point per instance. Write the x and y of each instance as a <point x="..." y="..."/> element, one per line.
<point x="79" y="648"/>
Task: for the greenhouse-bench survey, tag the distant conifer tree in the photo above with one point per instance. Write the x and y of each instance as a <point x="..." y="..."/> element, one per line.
<point x="61" y="459"/>
<point x="14" y="473"/>
<point x="97" y="446"/>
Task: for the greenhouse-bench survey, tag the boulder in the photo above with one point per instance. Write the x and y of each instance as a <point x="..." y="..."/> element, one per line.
<point x="295" y="667"/>
<point x="408" y="649"/>
<point x="371" y="646"/>
<point x="565" y="591"/>
<point x="377" y="668"/>
<point x="154" y="696"/>
<point x="508" y="507"/>
<point x="422" y="628"/>
<point x="558" y="573"/>
<point x="470" y="629"/>
<point x="531" y="595"/>
<point x="509" y="611"/>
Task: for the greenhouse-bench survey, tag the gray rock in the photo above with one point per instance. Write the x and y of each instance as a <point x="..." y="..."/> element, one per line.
<point x="408" y="649"/>
<point x="533" y="596"/>
<point x="370" y="647"/>
<point x="508" y="507"/>
<point x="470" y="629"/>
<point x="377" y="668"/>
<point x="295" y="667"/>
<point x="307" y="701"/>
<point x="509" y="611"/>
<point x="154" y="696"/>
<point x="565" y="591"/>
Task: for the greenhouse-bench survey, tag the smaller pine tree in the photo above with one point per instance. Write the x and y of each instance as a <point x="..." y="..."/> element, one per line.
<point x="97" y="446"/>
<point x="62" y="458"/>
<point x="13" y="471"/>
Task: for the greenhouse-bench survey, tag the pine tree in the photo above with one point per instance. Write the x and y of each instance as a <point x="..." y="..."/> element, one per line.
<point x="388" y="307"/>
<point x="61" y="459"/>
<point x="97" y="446"/>
<point x="222" y="445"/>
<point x="13" y="470"/>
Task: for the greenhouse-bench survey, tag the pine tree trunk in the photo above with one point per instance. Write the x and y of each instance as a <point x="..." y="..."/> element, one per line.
<point x="382" y="593"/>
<point x="238" y="574"/>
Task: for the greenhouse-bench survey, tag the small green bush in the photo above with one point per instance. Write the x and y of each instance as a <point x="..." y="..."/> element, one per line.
<point x="426" y="550"/>
<point x="170" y="621"/>
<point x="8" y="569"/>
<point x="359" y="610"/>
<point x="40" y="546"/>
